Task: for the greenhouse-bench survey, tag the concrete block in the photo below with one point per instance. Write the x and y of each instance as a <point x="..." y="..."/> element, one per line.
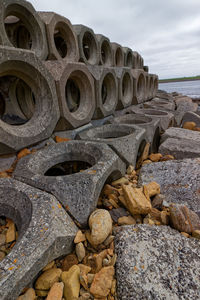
<point x="149" y="124"/>
<point x="45" y="233"/>
<point x="106" y="90"/>
<point x="62" y="41"/>
<point x="179" y="180"/>
<point x="128" y="57"/>
<point x="75" y="90"/>
<point x="6" y="161"/>
<point x="71" y="134"/>
<point x="180" y="148"/>
<point x="164" y="95"/>
<point x="105" y="50"/>
<point x="55" y="169"/>
<point x="191" y="116"/>
<point x="184" y="104"/>
<point x="118" y="55"/>
<point x="88" y="45"/>
<point x="156" y="262"/>
<point x="136" y="60"/>
<point x="181" y="133"/>
<point x="139" y="84"/>
<point x="125" y="87"/>
<point x="160" y="103"/>
<point x="127" y="141"/>
<point x="22" y="27"/>
<point x="24" y="65"/>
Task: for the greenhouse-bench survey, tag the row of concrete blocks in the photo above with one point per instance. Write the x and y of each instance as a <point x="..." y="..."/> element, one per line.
<point x="53" y="37"/>
<point x="55" y="103"/>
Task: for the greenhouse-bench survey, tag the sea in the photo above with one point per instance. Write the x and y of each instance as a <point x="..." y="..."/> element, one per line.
<point x="189" y="88"/>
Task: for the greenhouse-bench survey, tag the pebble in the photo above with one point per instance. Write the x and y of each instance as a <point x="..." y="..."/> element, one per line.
<point x="129" y="220"/>
<point x="155" y="157"/>
<point x="69" y="261"/>
<point x="80" y="237"/>
<point x="29" y="295"/>
<point x="47" y="279"/>
<point x="80" y="251"/>
<point x="71" y="282"/>
<point x="102" y="282"/>
<point x="56" y="291"/>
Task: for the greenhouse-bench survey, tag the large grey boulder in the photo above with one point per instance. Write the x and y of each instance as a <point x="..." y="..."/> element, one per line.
<point x="156" y="262"/>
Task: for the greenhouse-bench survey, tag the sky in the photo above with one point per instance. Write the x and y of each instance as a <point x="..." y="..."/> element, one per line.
<point x="165" y="33"/>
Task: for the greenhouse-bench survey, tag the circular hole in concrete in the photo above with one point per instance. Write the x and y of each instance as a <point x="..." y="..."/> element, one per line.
<point x="2" y="105"/>
<point x="72" y="93"/>
<point x="105" y="52"/>
<point x="140" y="86"/>
<point x="17" y="32"/>
<point x="119" y="57"/>
<point x="67" y="168"/>
<point x="60" y="43"/>
<point x="129" y="59"/>
<point x="131" y="119"/>
<point x="127" y="88"/>
<point x="89" y="47"/>
<point x="108" y="90"/>
<point x="141" y="149"/>
<point x="19" y="101"/>
<point x="156" y="141"/>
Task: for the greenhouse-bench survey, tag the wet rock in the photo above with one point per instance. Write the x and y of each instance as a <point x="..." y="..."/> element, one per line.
<point x="56" y="291"/>
<point x="47" y="279"/>
<point x="156" y="262"/>
<point x="71" y="282"/>
<point x="102" y="282"/>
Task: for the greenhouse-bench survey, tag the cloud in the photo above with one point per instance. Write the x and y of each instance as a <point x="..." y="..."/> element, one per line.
<point x="165" y="33"/>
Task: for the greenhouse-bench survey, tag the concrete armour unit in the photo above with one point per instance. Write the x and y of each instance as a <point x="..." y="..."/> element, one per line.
<point x="139" y="84"/>
<point x="75" y="90"/>
<point x="105" y="50"/>
<point x="51" y="170"/>
<point x="156" y="262"/>
<point x="184" y="104"/>
<point x="23" y="64"/>
<point x="21" y="27"/>
<point x="106" y="90"/>
<point x="151" y="125"/>
<point x="88" y="45"/>
<point x="127" y="141"/>
<point x="166" y="118"/>
<point x="160" y="103"/>
<point x="125" y="87"/>
<point x="191" y="116"/>
<point x="179" y="180"/>
<point x="128" y="57"/>
<point x="62" y="40"/>
<point x="45" y="233"/>
<point x="181" y="133"/>
<point x="155" y="84"/>
<point x="118" y="55"/>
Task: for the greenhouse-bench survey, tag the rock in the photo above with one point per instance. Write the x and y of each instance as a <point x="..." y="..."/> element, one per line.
<point x="71" y="282"/>
<point x="181" y="134"/>
<point x="196" y="234"/>
<point x="179" y="180"/>
<point x="95" y="261"/>
<point x="2" y="255"/>
<point x="80" y="251"/>
<point x="155" y="157"/>
<point x="184" y="219"/>
<point x="29" y="295"/>
<point x="157" y="201"/>
<point x="167" y="157"/>
<point x="41" y="293"/>
<point x="10" y="233"/>
<point x="126" y="221"/>
<point x="109" y="240"/>
<point x="189" y="125"/>
<point x="50" y="265"/>
<point x="146" y="162"/>
<point x="2" y="239"/>
<point x="185" y="234"/>
<point x="122" y="180"/>
<point x="136" y="202"/>
<point x="156" y="262"/>
<point x="130" y="170"/>
<point x="164" y="217"/>
<point x="100" y="224"/>
<point x="47" y="279"/>
<point x="80" y="237"/>
<point x="69" y="261"/>
<point x="102" y="282"/>
<point x="151" y="189"/>
<point x="84" y="269"/>
<point x="56" y="291"/>
<point x="90" y="278"/>
<point x="117" y="213"/>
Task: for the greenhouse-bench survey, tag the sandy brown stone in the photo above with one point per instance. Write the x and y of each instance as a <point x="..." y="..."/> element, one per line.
<point x="151" y="189"/>
<point x="69" y="261"/>
<point x="56" y="291"/>
<point x="80" y="251"/>
<point x="189" y="125"/>
<point x="80" y="237"/>
<point x="126" y="220"/>
<point x="196" y="234"/>
<point x="102" y="282"/>
<point x="10" y="233"/>
<point x="29" y="295"/>
<point x="71" y="282"/>
<point x="47" y="279"/>
<point x="50" y="265"/>
<point x="155" y="157"/>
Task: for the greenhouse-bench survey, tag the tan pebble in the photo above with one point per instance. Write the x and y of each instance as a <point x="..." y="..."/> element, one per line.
<point x="164" y="217"/>
<point x="189" y="125"/>
<point x="80" y="251"/>
<point x="56" y="291"/>
<point x="114" y="259"/>
<point x="109" y="240"/>
<point x="84" y="269"/>
<point x="126" y="220"/>
<point x="41" y="293"/>
<point x="144" y="155"/>
<point x="85" y="296"/>
<point x="155" y="157"/>
<point x="122" y="200"/>
<point x="69" y="261"/>
<point x="196" y="128"/>
<point x="84" y="281"/>
<point x="122" y="180"/>
<point x="130" y="170"/>
<point x="155" y="214"/>
<point x="196" y="234"/>
<point x="146" y="162"/>
<point x="80" y="237"/>
<point x="90" y="278"/>
<point x="113" y="287"/>
<point x="71" y="282"/>
<point x="167" y="157"/>
<point x="185" y="234"/>
<point x="29" y="295"/>
<point x="151" y="189"/>
<point x="10" y="233"/>
<point x="113" y="203"/>
<point x="102" y="282"/>
<point x="138" y="218"/>
<point x="50" y="265"/>
<point x="47" y="279"/>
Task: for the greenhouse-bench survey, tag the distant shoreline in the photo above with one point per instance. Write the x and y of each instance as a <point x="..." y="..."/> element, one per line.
<point x="179" y="79"/>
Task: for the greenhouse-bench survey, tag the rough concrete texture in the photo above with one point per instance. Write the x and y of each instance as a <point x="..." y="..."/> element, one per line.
<point x="105" y="50"/>
<point x="106" y="90"/>
<point x="180" y="148"/>
<point x="151" y="125"/>
<point x="71" y="134"/>
<point x="156" y="262"/>
<point x="160" y="103"/>
<point x="63" y="44"/>
<point x="45" y="233"/>
<point x="127" y="141"/>
<point x="181" y="133"/>
<point x="164" y="95"/>
<point x="75" y="90"/>
<point x="78" y="192"/>
<point x="179" y="180"/>
<point x="88" y="45"/>
<point x="6" y="161"/>
<point x="125" y="87"/>
<point x="118" y="55"/>
<point x="25" y="65"/>
<point x="191" y="116"/>
<point x="28" y="20"/>
<point x="128" y="57"/>
<point x="139" y="84"/>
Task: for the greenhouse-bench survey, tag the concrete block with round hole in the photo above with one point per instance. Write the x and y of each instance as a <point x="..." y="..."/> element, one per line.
<point x="127" y="141"/>
<point x="74" y="172"/>
<point x="29" y="77"/>
<point x="160" y="104"/>
<point x="62" y="41"/>
<point x="88" y="45"/>
<point x="155" y="84"/>
<point x="105" y="50"/>
<point x="75" y="90"/>
<point x="45" y="232"/>
<point x="118" y="55"/>
<point x="21" y="27"/>
<point x="125" y="87"/>
<point x="128" y="57"/>
<point x="139" y="86"/>
<point x="151" y="126"/>
<point x="106" y="90"/>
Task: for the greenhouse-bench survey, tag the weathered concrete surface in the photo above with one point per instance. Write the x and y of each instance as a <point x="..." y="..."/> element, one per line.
<point x="181" y="134"/>
<point x="6" y="161"/>
<point x="118" y="55"/>
<point x="180" y="148"/>
<point x="77" y="192"/>
<point x="139" y="84"/>
<point x="125" y="87"/>
<point x="45" y="233"/>
<point x="191" y="116"/>
<point x="160" y="103"/>
<point x="156" y="262"/>
<point x="179" y="180"/>
<point x="105" y="50"/>
<point x="128" y="57"/>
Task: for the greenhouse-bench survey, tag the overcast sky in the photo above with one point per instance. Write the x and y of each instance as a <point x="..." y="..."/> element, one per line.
<point x="165" y="33"/>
